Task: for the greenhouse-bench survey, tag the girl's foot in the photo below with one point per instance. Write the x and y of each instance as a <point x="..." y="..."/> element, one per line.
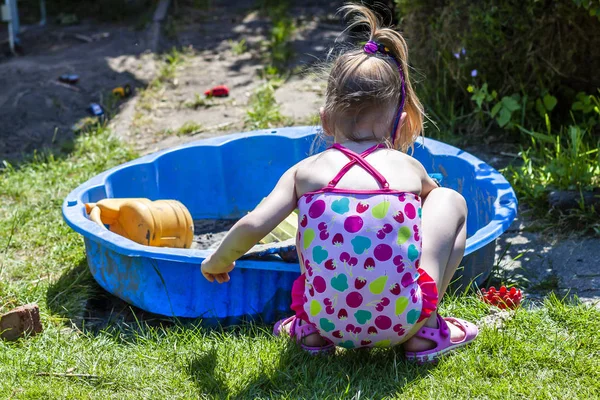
<point x="445" y="335"/>
<point x="305" y="334"/>
<point x="417" y="343"/>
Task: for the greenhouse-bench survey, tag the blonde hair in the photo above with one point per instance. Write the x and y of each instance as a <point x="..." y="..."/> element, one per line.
<point x="360" y="83"/>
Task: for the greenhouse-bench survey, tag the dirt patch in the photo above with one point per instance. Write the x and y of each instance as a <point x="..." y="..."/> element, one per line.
<point x="208" y="233"/>
<point x="212" y="55"/>
<point x="37" y="111"/>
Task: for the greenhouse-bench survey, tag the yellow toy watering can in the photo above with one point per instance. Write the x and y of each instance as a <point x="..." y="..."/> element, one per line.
<point x="161" y="223"/>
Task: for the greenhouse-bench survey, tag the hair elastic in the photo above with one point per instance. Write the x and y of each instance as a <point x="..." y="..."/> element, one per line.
<point x="372" y="47"/>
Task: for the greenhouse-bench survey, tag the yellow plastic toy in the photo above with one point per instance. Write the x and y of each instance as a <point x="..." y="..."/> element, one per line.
<point x="161" y="223"/>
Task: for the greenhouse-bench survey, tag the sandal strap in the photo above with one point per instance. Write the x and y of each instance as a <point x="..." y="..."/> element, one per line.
<point x="439" y="335"/>
<point x="302" y="331"/>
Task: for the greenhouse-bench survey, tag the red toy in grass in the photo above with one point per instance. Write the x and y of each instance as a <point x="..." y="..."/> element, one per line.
<point x="502" y="298"/>
<point x="218" y="91"/>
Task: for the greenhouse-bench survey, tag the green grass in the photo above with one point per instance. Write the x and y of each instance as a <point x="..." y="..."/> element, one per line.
<point x="550" y="351"/>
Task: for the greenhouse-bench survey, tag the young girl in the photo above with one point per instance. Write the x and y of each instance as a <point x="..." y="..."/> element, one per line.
<point x="378" y="240"/>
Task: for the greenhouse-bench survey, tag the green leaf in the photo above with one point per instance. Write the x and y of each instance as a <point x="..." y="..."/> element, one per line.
<point x="496" y="108"/>
<point x="540" y="136"/>
<point x="576" y="106"/>
<point x="550" y="102"/>
<point x="478" y="98"/>
<point x="510" y="103"/>
<point x="504" y="117"/>
<point x="540" y="108"/>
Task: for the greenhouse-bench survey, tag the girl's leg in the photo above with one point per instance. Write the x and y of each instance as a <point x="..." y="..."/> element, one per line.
<point x="444" y="235"/>
<point x="312" y="340"/>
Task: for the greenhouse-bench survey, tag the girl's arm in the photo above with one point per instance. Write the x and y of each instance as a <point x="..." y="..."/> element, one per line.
<point x="253" y="227"/>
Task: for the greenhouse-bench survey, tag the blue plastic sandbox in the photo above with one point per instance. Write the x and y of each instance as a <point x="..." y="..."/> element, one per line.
<point x="224" y="178"/>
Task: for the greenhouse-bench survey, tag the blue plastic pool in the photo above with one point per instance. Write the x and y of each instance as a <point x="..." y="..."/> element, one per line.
<point x="227" y="176"/>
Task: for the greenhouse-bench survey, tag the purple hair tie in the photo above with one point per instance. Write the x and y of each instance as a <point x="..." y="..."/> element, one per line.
<point x="372" y="47"/>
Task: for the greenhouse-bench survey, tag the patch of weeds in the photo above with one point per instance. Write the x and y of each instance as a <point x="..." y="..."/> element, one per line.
<point x="166" y="73"/>
<point x="264" y="110"/>
<point x="564" y="162"/>
<point x="566" y="159"/>
<point x="278" y="46"/>
<point x="200" y="101"/>
<point x="147" y="97"/>
<point x="188" y="128"/>
<point x="86" y="125"/>
<point x="238" y="47"/>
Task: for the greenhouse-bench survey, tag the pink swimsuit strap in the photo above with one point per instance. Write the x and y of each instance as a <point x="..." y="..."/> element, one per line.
<point x="356" y="158"/>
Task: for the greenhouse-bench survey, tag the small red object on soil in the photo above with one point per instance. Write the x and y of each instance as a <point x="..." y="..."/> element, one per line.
<point x="218" y="91"/>
<point x="20" y="321"/>
<point x="503" y="298"/>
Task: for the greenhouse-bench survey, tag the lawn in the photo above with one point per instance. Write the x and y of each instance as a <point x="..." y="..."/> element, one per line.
<point x="549" y="350"/>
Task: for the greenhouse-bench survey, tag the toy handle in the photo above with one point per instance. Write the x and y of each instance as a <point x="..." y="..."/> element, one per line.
<point x="95" y="216"/>
<point x="105" y="212"/>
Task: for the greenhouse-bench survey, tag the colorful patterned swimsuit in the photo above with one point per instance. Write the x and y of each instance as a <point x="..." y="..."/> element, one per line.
<point x="361" y="250"/>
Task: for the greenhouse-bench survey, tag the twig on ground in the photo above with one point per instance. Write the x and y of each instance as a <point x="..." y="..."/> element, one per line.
<point x="70" y="87"/>
<point x="84" y="38"/>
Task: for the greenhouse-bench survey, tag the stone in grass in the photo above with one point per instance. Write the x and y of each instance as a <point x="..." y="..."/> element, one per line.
<point x="570" y="199"/>
<point x="20" y="322"/>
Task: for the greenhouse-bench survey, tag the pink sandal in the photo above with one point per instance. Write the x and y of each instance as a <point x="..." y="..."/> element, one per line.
<point x="441" y="337"/>
<point x="302" y="331"/>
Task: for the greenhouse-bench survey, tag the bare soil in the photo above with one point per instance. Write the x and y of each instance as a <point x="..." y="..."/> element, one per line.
<point x="208" y="233"/>
<point x="37" y="111"/>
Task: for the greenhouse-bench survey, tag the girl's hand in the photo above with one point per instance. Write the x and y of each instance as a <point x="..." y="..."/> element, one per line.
<point x="212" y="271"/>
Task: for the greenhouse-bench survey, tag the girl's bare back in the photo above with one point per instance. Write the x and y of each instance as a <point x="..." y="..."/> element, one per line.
<point x="402" y="171"/>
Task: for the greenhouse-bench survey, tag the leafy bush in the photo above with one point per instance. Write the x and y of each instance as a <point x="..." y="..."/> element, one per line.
<point x="522" y="71"/>
<point x="532" y="48"/>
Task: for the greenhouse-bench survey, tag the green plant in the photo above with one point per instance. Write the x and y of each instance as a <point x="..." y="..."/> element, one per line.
<point x="264" y="110"/>
<point x="592" y="6"/>
<point x="238" y="47"/>
<point x="278" y="46"/>
<point x="188" y="128"/>
<point x="530" y="48"/>
<point x="564" y="164"/>
<point x="166" y="73"/>
<point x="200" y="101"/>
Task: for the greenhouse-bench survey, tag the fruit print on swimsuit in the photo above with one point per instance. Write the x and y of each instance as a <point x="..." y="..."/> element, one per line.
<point x="363" y="250"/>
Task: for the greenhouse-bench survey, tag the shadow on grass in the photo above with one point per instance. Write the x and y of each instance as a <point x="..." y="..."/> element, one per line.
<point x="77" y="297"/>
<point x="373" y="372"/>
